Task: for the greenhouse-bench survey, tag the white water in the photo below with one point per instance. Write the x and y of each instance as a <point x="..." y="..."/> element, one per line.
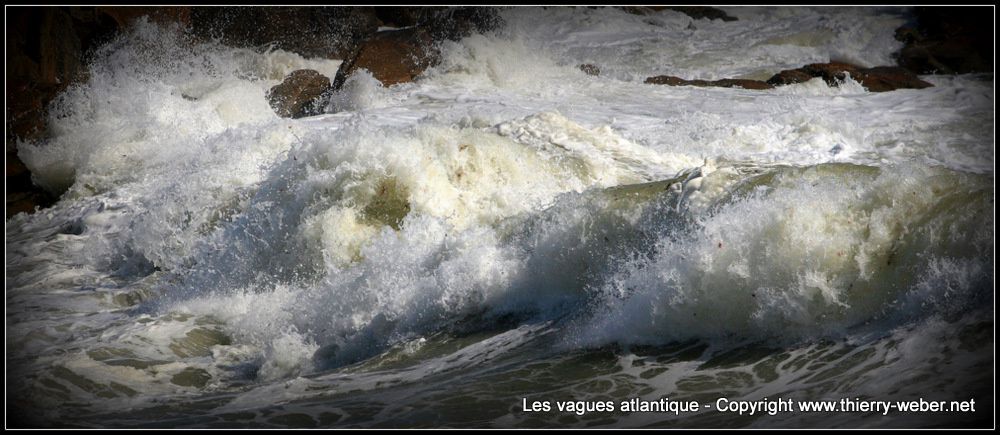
<point x="200" y="234"/>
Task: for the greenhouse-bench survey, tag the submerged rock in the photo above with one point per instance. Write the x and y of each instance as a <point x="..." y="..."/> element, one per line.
<point x="300" y="94"/>
<point x="724" y="83"/>
<point x="877" y="79"/>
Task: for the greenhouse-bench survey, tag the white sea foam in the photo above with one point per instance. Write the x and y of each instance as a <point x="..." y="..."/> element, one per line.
<point x="503" y="184"/>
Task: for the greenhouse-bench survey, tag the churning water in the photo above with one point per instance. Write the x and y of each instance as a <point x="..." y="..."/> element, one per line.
<point x="507" y="228"/>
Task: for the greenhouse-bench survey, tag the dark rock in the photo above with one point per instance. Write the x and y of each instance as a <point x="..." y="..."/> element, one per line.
<point x="724" y="83"/>
<point x="877" y="79"/>
<point x="125" y="15"/>
<point x="788" y="77"/>
<point x="666" y="80"/>
<point x="699" y="12"/>
<point x="590" y="69"/>
<point x="46" y="50"/>
<point x="948" y="40"/>
<point x="300" y="94"/>
<point x="741" y="83"/>
<point x="22" y="196"/>
<point x="405" y="16"/>
<point x="456" y="23"/>
<point x="330" y="32"/>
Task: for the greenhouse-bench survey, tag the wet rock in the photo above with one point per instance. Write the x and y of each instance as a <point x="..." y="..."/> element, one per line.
<point x="789" y="76"/>
<point x="877" y="79"/>
<point x="46" y="48"/>
<point x="399" y="56"/>
<point x="22" y="195"/>
<point x="328" y="32"/>
<point x="724" y="83"/>
<point x="888" y="78"/>
<point x="948" y="40"/>
<point x="590" y="69"/>
<point x="391" y="57"/>
<point x="457" y="23"/>
<point x="300" y="94"/>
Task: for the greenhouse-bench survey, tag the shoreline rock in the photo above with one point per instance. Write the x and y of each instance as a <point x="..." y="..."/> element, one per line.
<point x="876" y="79"/>
<point x="948" y="40"/>
<point x="392" y="57"/>
<point x="399" y="56"/>
<point x="299" y="94"/>
<point x="724" y="83"/>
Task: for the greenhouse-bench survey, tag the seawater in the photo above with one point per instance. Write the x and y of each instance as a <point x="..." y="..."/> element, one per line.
<point x="508" y="229"/>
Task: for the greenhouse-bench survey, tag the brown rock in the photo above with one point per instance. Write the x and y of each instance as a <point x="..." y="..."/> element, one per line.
<point x="666" y="80"/>
<point x="877" y="79"/>
<point x="788" y="77"/>
<point x="392" y="57"/>
<point x="888" y="78"/>
<point x="724" y="83"/>
<point x="831" y="72"/>
<point x="399" y="56"/>
<point x="742" y="83"/>
<point x="300" y="94"/>
<point x="590" y="69"/>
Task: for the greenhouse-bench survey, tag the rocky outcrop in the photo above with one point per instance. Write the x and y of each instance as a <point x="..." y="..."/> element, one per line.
<point x="457" y="23"/>
<point x="877" y="79"/>
<point x="696" y="12"/>
<point x="300" y="94"/>
<point x="330" y="32"/>
<point x="399" y="56"/>
<point x="724" y="83"/>
<point x="889" y="78"/>
<point x="22" y="195"/>
<point x="948" y="40"/>
<point x="391" y="57"/>
<point x="46" y="48"/>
